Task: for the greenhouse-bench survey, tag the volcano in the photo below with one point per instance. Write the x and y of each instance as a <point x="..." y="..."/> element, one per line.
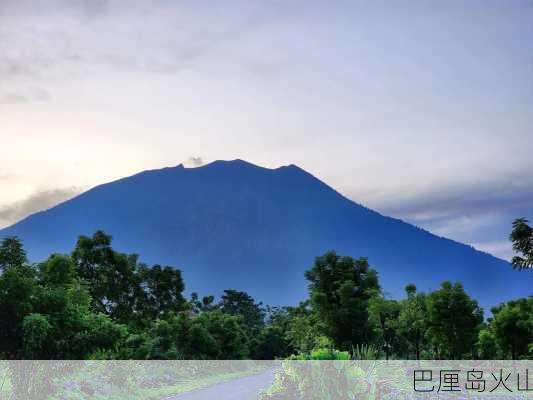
<point x="232" y="224"/>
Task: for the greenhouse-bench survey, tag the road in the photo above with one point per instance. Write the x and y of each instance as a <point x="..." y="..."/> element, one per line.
<point x="246" y="388"/>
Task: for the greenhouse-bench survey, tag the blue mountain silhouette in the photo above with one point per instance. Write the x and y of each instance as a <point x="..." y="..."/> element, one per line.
<point x="232" y="224"/>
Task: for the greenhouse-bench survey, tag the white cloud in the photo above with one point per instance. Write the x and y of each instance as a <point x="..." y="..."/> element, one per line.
<point x="502" y="248"/>
<point x="422" y="112"/>
<point x="193" y="162"/>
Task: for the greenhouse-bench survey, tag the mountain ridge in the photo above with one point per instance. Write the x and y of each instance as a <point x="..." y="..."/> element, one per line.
<point x="227" y="220"/>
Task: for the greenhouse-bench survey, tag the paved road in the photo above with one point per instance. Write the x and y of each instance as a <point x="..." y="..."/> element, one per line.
<point x="247" y="388"/>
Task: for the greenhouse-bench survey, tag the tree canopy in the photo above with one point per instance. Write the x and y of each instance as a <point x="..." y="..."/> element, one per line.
<point x="340" y="289"/>
<point x="98" y="303"/>
<point x="522" y="238"/>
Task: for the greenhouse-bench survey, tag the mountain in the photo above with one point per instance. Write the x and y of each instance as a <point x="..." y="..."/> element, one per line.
<point x="231" y="224"/>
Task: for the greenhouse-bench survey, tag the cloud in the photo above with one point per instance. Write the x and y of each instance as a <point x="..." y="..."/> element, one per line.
<point x="193" y="162"/>
<point x="38" y="201"/>
<point x="477" y="214"/>
<point x="65" y="37"/>
<point x="502" y="195"/>
<point x="462" y="224"/>
<point x="279" y="83"/>
<point x="502" y="248"/>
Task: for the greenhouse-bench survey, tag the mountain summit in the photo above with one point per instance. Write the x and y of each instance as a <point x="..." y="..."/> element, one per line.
<point x="232" y="224"/>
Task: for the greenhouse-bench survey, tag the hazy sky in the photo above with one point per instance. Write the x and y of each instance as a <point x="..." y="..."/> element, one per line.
<point x="421" y="110"/>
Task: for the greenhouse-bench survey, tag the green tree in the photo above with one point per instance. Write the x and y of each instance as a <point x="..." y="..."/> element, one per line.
<point x="304" y="331"/>
<point x="412" y="320"/>
<point x="288" y="330"/>
<point x="513" y="327"/>
<point x="234" y="302"/>
<point x="271" y="343"/>
<point x="110" y="275"/>
<point x="36" y="335"/>
<point x="17" y="300"/>
<point x="454" y="321"/>
<point x="62" y="325"/>
<point x="45" y="314"/>
<point x="211" y="335"/>
<point x="58" y="270"/>
<point x="129" y="292"/>
<point x="12" y="253"/>
<point x="522" y="238"/>
<point x="163" y="288"/>
<point x="384" y="314"/>
<point x="487" y="345"/>
<point x="229" y="332"/>
<point x="340" y="289"/>
<point x="98" y="337"/>
<point x="207" y="303"/>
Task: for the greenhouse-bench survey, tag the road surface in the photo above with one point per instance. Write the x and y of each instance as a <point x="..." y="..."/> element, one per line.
<point x="246" y="388"/>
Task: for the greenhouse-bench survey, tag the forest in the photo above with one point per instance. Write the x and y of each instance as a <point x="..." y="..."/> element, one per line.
<point x="100" y="304"/>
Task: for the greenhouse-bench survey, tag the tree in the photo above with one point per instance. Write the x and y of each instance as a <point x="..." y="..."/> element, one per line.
<point x="288" y="330"/>
<point x="211" y="335"/>
<point x="513" y="327"/>
<point x="234" y="302"/>
<point x="163" y="287"/>
<point x="271" y="343"/>
<point x="412" y="321"/>
<point x="340" y="289"/>
<point x="62" y="325"/>
<point x="110" y="275"/>
<point x="384" y="314"/>
<point x="454" y="321"/>
<point x="18" y="286"/>
<point x="487" y="345"/>
<point x="522" y="238"/>
<point x="229" y="332"/>
<point x="12" y="253"/>
<point x="17" y="300"/>
<point x="196" y="306"/>
<point x="129" y="292"/>
<point x="58" y="270"/>
<point x="36" y="333"/>
<point x="304" y="330"/>
<point x="45" y="314"/>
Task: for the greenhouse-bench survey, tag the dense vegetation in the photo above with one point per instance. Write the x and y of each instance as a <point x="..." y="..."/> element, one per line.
<point x="97" y="303"/>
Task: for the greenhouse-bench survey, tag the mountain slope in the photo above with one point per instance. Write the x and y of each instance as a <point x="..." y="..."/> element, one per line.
<point x="231" y="224"/>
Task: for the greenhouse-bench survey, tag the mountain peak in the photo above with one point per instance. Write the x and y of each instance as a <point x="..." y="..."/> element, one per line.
<point x="234" y="224"/>
<point x="240" y="163"/>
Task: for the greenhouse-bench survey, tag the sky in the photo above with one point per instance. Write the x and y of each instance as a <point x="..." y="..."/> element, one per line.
<point x="420" y="110"/>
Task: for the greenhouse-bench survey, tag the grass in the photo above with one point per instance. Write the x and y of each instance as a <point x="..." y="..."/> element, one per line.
<point x="135" y="392"/>
<point x="102" y="389"/>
